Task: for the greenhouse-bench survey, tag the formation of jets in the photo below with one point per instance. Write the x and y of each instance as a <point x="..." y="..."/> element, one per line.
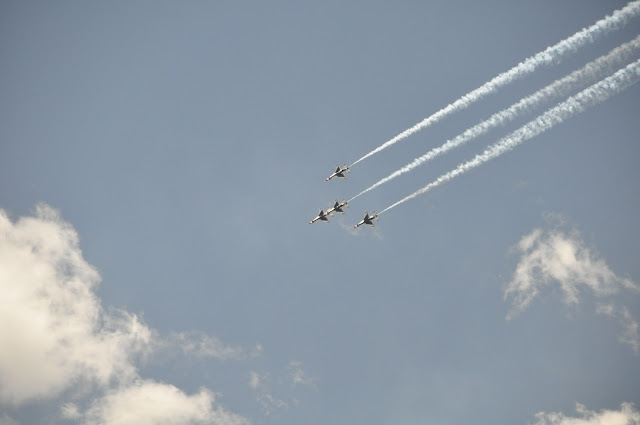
<point x="339" y="206"/>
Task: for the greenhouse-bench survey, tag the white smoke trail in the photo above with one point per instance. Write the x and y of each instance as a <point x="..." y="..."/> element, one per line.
<point x="591" y="72"/>
<point x="551" y="55"/>
<point x="590" y="96"/>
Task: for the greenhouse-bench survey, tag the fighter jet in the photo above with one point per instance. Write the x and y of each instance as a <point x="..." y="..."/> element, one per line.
<point x="339" y="172"/>
<point x="368" y="219"/>
<point x="337" y="207"/>
<point x="321" y="216"/>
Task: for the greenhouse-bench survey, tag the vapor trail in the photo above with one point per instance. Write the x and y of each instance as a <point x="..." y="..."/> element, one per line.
<point x="590" y="96"/>
<point x="552" y="54"/>
<point x="591" y="72"/>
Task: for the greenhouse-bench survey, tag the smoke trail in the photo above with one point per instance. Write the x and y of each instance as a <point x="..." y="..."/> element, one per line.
<point x="590" y="96"/>
<point x="551" y="55"/>
<point x="591" y="72"/>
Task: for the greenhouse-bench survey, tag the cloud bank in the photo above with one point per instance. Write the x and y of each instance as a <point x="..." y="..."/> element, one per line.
<point x="58" y="338"/>
<point x="626" y="415"/>
<point x="59" y="332"/>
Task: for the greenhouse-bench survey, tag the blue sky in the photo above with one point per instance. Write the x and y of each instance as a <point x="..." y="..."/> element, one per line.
<point x="159" y="162"/>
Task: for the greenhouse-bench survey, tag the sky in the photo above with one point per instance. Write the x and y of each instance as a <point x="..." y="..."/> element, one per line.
<point x="160" y="161"/>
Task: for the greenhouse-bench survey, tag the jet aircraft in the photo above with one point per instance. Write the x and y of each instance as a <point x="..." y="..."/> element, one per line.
<point x="321" y="216"/>
<point x="339" y="172"/>
<point x="368" y="219"/>
<point x="337" y="207"/>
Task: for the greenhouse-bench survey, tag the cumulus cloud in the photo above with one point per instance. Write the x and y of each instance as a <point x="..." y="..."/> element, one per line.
<point x="148" y="402"/>
<point x="626" y="415"/>
<point x="57" y="338"/>
<point x="555" y="257"/>
<point x="59" y="333"/>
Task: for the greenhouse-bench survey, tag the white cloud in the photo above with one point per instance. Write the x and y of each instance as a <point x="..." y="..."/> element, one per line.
<point x="271" y="404"/>
<point x="259" y="382"/>
<point x="564" y="259"/>
<point x="148" y="403"/>
<point x="275" y="395"/>
<point x="630" y="326"/>
<point x="627" y="415"/>
<point x="70" y="411"/>
<point x="556" y="257"/>
<point x="57" y="337"/>
<point x="201" y="345"/>
<point x="255" y="380"/>
<point x="296" y="374"/>
<point x="59" y="333"/>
